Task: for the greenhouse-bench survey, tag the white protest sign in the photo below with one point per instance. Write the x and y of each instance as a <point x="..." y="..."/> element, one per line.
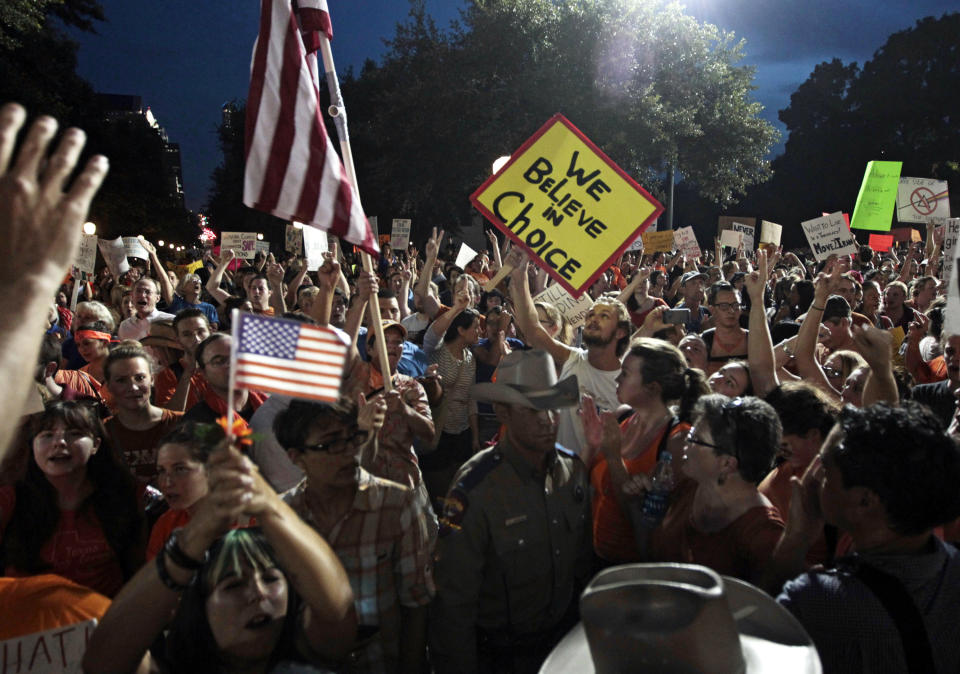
<point x="87" y="254"/>
<point x="115" y="255"/>
<point x="748" y="232"/>
<point x="686" y="241"/>
<point x="920" y="199"/>
<point x="770" y="232"/>
<point x="293" y="241"/>
<point x="731" y="238"/>
<point x="400" y="234"/>
<point x="828" y="235"/>
<point x="134" y="248"/>
<point x="951" y="235"/>
<point x="372" y="219"/>
<point x="58" y="650"/>
<point x="465" y="256"/>
<point x="244" y="244"/>
<point x="574" y="310"/>
<point x="637" y="244"/>
<point x="314" y="246"/>
<point x="262" y="247"/>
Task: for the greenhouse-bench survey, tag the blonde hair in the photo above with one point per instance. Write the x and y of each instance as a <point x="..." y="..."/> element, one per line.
<point x="565" y="334"/>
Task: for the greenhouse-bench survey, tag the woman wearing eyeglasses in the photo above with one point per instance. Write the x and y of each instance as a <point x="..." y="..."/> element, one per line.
<point x="716" y="516"/>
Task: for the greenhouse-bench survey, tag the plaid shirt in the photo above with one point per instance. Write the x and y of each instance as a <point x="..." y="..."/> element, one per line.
<point x="384" y="545"/>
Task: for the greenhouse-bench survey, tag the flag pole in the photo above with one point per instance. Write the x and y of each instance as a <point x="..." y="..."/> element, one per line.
<point x="232" y="376"/>
<point x="339" y="114"/>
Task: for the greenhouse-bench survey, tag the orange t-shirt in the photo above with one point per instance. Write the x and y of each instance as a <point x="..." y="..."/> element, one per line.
<point x="776" y="487"/>
<point x="613" y="537"/>
<point x="165" y="385"/>
<point x="742" y="549"/>
<point x="41" y="603"/>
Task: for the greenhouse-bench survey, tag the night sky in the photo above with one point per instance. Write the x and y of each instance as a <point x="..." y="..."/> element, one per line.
<point x="187" y="58"/>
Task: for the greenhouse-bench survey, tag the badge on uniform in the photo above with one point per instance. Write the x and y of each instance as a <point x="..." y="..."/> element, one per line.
<point x="454" y="509"/>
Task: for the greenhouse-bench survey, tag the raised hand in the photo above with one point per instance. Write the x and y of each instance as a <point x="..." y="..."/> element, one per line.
<point x="434" y="243"/>
<point x="33" y="205"/>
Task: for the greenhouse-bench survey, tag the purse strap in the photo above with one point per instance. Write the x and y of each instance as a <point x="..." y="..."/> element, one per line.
<point x="904" y="612"/>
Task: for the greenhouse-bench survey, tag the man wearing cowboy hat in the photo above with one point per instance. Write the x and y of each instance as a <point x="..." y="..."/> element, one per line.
<point x="514" y="546"/>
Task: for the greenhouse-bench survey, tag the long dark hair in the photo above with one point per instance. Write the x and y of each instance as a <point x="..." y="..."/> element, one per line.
<point x="190" y="645"/>
<point x="463" y="320"/>
<point x="113" y="499"/>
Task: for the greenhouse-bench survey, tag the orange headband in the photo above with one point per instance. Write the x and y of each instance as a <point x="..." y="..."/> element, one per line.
<point x="93" y="334"/>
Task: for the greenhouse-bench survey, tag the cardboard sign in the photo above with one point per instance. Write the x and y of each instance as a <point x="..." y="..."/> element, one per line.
<point x="87" y="254"/>
<point x="770" y="232"/>
<point x="244" y="244"/>
<point x="400" y="234"/>
<point x="828" y="236"/>
<point x="293" y="240"/>
<point x="902" y="234"/>
<point x="920" y="199"/>
<point x="915" y="236"/>
<point x="134" y="248"/>
<point x="658" y="242"/>
<point x="262" y="247"/>
<point x="465" y="256"/>
<point x="748" y="234"/>
<point x="881" y="243"/>
<point x="573" y="309"/>
<point x="115" y="255"/>
<point x="567" y="204"/>
<point x="877" y="197"/>
<point x="952" y="315"/>
<point x="58" y="650"/>
<point x="314" y="246"/>
<point x="951" y="235"/>
<point x="731" y="239"/>
<point x="686" y="241"/>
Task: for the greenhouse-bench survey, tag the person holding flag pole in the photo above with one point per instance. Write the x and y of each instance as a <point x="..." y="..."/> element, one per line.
<point x="292" y="170"/>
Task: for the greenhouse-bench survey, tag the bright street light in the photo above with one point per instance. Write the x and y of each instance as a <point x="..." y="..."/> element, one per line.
<point x="297" y="225"/>
<point x="259" y="237"/>
<point x="89" y="228"/>
<point x="160" y="243"/>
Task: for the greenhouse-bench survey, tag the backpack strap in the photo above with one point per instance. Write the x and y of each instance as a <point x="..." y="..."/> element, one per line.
<point x="673" y="423"/>
<point x="904" y="612"/>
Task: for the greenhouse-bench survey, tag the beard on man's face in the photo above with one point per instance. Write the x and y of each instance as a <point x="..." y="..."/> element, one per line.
<point x="596" y="339"/>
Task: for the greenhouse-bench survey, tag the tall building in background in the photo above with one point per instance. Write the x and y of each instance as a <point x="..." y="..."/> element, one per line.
<point x="127" y="106"/>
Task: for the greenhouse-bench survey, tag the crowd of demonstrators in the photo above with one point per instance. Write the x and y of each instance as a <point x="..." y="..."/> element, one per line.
<point x="788" y="422"/>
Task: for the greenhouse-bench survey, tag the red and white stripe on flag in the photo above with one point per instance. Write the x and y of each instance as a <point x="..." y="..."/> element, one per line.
<point x="292" y="170"/>
<point x="282" y="356"/>
<point x="314" y="19"/>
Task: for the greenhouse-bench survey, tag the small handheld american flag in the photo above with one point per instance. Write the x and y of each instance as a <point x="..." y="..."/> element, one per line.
<point x="283" y="356"/>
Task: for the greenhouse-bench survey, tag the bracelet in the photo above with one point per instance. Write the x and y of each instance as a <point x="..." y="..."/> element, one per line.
<point x="814" y="306"/>
<point x="165" y="576"/>
<point x="179" y="557"/>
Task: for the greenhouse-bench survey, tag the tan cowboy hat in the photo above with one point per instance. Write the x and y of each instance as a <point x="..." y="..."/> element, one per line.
<point x="529" y="379"/>
<point x="681" y="618"/>
<point x="162" y="333"/>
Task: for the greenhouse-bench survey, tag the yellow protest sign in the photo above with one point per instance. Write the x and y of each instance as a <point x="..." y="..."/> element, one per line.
<point x="657" y="242"/>
<point x="564" y="201"/>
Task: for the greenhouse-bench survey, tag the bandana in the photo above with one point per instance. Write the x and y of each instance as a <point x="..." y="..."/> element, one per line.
<point x="93" y="334"/>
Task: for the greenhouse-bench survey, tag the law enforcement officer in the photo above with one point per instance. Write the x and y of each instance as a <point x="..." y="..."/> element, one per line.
<point x="514" y="547"/>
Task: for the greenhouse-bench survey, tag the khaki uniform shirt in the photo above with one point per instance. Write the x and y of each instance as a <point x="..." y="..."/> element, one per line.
<point x="514" y="546"/>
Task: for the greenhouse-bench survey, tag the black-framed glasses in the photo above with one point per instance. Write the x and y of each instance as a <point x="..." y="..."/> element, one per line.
<point x="727" y="306"/>
<point x="692" y="439"/>
<point x="340" y="445"/>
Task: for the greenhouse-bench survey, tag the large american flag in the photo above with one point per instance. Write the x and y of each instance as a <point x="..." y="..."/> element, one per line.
<point x="282" y="356"/>
<point x="292" y="169"/>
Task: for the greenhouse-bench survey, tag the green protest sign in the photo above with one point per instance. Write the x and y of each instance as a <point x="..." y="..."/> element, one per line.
<point x="878" y="196"/>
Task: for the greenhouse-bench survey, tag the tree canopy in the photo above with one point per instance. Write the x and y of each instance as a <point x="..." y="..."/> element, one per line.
<point x="899" y="106"/>
<point x="650" y="85"/>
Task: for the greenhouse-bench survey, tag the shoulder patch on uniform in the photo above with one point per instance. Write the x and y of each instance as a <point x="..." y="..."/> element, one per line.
<point x="479" y="470"/>
<point x="454" y="509"/>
